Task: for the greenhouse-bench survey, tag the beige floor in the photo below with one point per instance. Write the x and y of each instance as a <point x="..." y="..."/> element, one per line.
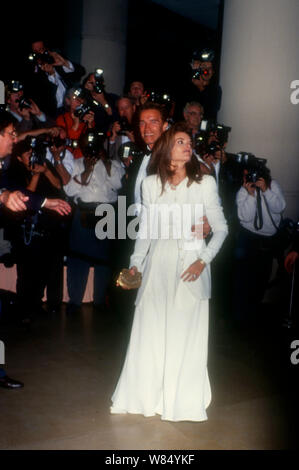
<point x="70" y="366"/>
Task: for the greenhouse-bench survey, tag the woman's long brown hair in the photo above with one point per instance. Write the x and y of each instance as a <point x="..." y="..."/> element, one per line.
<point x="161" y="157"/>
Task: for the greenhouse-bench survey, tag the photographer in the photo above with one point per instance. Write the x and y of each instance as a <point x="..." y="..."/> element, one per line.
<point x="36" y="236"/>
<point x="202" y="86"/>
<point x="52" y="76"/>
<point x="260" y="204"/>
<point x="25" y="110"/>
<point x="122" y="130"/>
<point x="96" y="179"/>
<point x="77" y="120"/>
<point x="103" y="103"/>
<point x="137" y="93"/>
<point x="193" y="114"/>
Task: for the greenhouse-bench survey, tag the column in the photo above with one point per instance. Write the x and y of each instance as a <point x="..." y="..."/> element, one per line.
<point x="259" y="65"/>
<point x="104" y="34"/>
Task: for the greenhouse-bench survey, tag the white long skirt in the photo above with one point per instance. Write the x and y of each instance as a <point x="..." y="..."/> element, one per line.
<point x="165" y="370"/>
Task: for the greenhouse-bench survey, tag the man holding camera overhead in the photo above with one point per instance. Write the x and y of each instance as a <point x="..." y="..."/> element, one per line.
<point x="53" y="75"/>
<point x="102" y="103"/>
<point x="202" y="86"/>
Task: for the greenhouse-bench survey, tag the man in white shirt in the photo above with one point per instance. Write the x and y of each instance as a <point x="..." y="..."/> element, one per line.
<point x="95" y="180"/>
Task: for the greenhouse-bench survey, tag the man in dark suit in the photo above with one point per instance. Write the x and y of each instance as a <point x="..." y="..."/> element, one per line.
<point x="18" y="200"/>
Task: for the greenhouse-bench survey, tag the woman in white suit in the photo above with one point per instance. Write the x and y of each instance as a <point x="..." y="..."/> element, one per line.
<point x="165" y="370"/>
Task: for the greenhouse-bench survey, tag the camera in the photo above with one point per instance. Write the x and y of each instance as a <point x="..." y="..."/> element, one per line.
<point x="212" y="148"/>
<point x="200" y="142"/>
<point x="39" y="151"/>
<point x="41" y="58"/>
<point x="220" y="130"/>
<point x="257" y="170"/>
<point x="14" y="86"/>
<point x="129" y="149"/>
<point x="256" y="167"/>
<point x="24" y="103"/>
<point x="81" y="111"/>
<point x="92" y="143"/>
<point x="59" y="142"/>
<point x="199" y="72"/>
<point x="159" y="98"/>
<point x="202" y="137"/>
<point x="124" y="126"/>
<point x="99" y="78"/>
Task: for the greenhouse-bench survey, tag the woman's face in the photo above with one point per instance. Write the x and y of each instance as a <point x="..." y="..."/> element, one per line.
<point x="25" y="158"/>
<point x="182" y="148"/>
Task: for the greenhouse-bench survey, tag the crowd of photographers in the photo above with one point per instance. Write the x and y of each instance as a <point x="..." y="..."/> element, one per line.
<point x="67" y="145"/>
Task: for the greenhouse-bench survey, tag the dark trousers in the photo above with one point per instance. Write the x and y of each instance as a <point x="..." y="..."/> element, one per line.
<point x="39" y="264"/>
<point x="253" y="259"/>
<point x="87" y="250"/>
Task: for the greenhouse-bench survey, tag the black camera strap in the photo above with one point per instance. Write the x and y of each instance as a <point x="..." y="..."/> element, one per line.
<point x="259" y="215"/>
<point x="258" y="219"/>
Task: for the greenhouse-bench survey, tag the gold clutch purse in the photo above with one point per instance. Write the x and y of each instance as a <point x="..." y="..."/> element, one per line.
<point x="128" y="280"/>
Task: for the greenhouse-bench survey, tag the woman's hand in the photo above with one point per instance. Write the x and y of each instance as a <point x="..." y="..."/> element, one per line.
<point x="194" y="271"/>
<point x="133" y="271"/>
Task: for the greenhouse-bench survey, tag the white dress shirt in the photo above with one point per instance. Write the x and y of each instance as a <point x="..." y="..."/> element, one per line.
<point x="101" y="187"/>
<point x="68" y="160"/>
<point x="61" y="89"/>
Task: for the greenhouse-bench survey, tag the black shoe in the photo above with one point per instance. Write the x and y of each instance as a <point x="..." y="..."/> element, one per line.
<point x="7" y="382"/>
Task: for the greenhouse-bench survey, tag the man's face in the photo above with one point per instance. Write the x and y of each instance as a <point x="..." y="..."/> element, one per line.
<point x="38" y="47"/>
<point x="126" y="109"/>
<point x="13" y="100"/>
<point x="90" y="83"/>
<point x="136" y="89"/>
<point x="7" y="139"/>
<point x="193" y="116"/>
<point x="151" y="126"/>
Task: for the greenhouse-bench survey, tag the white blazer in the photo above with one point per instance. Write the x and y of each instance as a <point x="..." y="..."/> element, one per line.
<point x="204" y="193"/>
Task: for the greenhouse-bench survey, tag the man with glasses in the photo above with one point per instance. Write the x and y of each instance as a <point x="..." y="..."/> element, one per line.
<point x="18" y="200"/>
<point x="193" y="114"/>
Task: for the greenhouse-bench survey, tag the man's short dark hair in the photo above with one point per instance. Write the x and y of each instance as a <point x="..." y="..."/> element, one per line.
<point x="6" y="119"/>
<point x="158" y="107"/>
<point x="125" y="97"/>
